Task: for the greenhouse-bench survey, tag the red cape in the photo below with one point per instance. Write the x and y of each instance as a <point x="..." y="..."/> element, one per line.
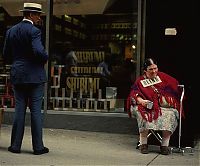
<point x="168" y="88"/>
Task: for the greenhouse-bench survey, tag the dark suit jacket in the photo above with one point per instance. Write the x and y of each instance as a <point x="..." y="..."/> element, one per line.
<point x="24" y="50"/>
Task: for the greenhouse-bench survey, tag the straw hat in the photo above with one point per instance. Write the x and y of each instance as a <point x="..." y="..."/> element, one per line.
<point x="32" y="7"/>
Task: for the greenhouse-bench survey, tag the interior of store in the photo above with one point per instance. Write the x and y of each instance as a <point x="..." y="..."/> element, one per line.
<point x="92" y="37"/>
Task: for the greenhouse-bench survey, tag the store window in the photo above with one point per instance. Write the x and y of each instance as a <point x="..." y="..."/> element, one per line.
<point x="92" y="57"/>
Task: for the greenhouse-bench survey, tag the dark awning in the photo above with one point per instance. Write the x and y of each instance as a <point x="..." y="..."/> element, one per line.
<point x="60" y="7"/>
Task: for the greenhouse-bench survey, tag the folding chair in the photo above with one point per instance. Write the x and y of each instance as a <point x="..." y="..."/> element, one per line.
<point x="156" y="134"/>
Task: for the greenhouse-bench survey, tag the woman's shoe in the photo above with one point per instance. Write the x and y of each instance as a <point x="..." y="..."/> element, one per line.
<point x="144" y="149"/>
<point x="164" y="150"/>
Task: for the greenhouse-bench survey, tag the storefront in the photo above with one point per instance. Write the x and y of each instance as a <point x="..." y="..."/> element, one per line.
<point x="86" y="33"/>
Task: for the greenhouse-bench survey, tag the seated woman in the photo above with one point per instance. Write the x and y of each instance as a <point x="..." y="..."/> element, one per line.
<point x="154" y="100"/>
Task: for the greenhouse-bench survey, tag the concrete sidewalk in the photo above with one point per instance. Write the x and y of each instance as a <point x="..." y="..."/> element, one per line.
<point x="73" y="147"/>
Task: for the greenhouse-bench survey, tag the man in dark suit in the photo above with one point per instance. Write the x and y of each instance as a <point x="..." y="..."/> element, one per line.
<point x="24" y="50"/>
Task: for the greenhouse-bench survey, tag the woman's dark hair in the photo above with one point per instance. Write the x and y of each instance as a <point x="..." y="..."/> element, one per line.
<point x="148" y="62"/>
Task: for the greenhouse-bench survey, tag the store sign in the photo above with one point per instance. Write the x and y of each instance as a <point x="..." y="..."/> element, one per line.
<point x="170" y="31"/>
<point x="86" y="71"/>
<point x="83" y="83"/>
<point x="89" y="56"/>
<point x="82" y="75"/>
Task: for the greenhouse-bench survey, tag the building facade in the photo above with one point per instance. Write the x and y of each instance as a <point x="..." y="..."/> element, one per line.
<point x="79" y="35"/>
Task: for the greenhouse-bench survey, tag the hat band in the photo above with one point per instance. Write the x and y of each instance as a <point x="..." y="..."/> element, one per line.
<point x="32" y="8"/>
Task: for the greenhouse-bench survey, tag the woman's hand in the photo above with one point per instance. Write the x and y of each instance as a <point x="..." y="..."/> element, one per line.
<point x="143" y="102"/>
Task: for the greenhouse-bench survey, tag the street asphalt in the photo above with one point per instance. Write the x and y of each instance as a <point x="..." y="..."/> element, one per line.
<point x="73" y="147"/>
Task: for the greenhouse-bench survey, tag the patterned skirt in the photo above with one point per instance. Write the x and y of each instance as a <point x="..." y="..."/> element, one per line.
<point x="167" y="121"/>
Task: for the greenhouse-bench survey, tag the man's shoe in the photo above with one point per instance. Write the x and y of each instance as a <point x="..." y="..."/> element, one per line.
<point x="164" y="150"/>
<point x="144" y="149"/>
<point x="10" y="149"/>
<point x="38" y="152"/>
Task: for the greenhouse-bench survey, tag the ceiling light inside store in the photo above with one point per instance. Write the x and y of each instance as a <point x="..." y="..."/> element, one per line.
<point x="121" y="37"/>
<point x="133" y="46"/>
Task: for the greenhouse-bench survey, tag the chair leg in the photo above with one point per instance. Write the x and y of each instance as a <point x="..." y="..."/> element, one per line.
<point x="138" y="145"/>
<point x="157" y="135"/>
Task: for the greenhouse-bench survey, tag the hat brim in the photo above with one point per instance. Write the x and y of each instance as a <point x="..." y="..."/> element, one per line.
<point x="29" y="10"/>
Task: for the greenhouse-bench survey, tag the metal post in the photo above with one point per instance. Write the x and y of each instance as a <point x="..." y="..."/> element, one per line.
<point x="140" y="35"/>
<point x="48" y="18"/>
<point x="180" y="115"/>
<point x="180" y="149"/>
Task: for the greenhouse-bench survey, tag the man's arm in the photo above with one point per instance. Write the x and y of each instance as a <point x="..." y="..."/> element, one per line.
<point x="38" y="48"/>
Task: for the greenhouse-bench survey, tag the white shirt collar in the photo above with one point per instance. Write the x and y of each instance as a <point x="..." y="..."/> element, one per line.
<point x="25" y="19"/>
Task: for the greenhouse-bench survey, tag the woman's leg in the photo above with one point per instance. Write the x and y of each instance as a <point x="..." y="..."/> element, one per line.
<point x="165" y="142"/>
<point x="166" y="138"/>
<point x="143" y="141"/>
<point x="143" y="136"/>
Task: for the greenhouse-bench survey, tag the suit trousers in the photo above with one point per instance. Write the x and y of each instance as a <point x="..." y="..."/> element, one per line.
<point x="28" y="95"/>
